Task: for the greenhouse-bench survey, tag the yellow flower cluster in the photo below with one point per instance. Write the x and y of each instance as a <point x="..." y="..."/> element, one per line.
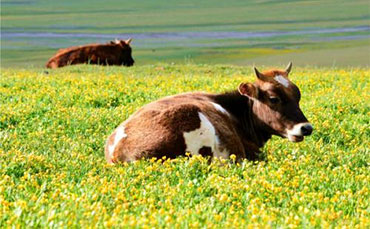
<point x="53" y="174"/>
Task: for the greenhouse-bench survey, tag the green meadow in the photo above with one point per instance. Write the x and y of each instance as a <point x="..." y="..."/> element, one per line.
<point x="54" y="123"/>
<point x="33" y="30"/>
<point x="53" y="127"/>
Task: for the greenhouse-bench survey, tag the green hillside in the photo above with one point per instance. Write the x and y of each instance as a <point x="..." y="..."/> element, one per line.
<point x="33" y="30"/>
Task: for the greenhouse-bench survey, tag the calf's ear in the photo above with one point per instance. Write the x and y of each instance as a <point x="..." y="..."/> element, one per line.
<point x="248" y="89"/>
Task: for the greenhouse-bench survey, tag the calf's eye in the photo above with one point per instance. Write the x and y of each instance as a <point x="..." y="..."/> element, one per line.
<point x="274" y="100"/>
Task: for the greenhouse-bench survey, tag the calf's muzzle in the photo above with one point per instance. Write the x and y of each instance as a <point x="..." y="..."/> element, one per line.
<point x="306" y="129"/>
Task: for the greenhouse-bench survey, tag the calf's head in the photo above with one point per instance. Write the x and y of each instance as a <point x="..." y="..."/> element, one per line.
<point x="127" y="59"/>
<point x="276" y="104"/>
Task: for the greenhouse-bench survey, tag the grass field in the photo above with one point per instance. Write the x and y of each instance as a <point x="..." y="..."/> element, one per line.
<point x="33" y="30"/>
<point x="53" y="173"/>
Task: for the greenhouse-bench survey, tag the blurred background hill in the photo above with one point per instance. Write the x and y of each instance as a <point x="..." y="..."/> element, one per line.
<point x="320" y="33"/>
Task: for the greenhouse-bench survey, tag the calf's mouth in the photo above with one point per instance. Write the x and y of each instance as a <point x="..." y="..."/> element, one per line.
<point x="295" y="138"/>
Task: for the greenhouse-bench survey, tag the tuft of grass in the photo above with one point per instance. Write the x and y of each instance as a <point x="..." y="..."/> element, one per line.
<point x="53" y="127"/>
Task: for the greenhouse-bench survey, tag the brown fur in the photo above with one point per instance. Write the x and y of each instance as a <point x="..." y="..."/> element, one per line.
<point x="112" y="53"/>
<point x="157" y="129"/>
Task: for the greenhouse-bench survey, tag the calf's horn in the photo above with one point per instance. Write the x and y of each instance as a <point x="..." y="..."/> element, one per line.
<point x="258" y="74"/>
<point x="128" y="41"/>
<point x="289" y="67"/>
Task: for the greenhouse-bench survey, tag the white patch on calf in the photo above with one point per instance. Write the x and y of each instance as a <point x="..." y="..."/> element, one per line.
<point x="282" y="80"/>
<point x="120" y="133"/>
<point x="219" y="108"/>
<point x="205" y="135"/>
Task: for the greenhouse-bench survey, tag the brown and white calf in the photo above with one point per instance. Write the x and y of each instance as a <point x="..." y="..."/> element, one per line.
<point x="217" y="125"/>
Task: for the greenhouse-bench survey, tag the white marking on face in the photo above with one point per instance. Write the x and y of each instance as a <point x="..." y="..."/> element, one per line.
<point x="219" y="108"/>
<point x="282" y="80"/>
<point x="296" y="131"/>
<point x="120" y="133"/>
<point x="203" y="136"/>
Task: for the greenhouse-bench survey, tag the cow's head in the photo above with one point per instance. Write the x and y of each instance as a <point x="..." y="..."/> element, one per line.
<point x="127" y="59"/>
<point x="276" y="104"/>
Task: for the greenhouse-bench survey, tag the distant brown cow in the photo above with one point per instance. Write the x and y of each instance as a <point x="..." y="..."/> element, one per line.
<point x="112" y="53"/>
<point x="217" y="125"/>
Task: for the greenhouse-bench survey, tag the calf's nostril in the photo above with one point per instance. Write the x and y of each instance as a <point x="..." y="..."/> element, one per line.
<point x="306" y="129"/>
